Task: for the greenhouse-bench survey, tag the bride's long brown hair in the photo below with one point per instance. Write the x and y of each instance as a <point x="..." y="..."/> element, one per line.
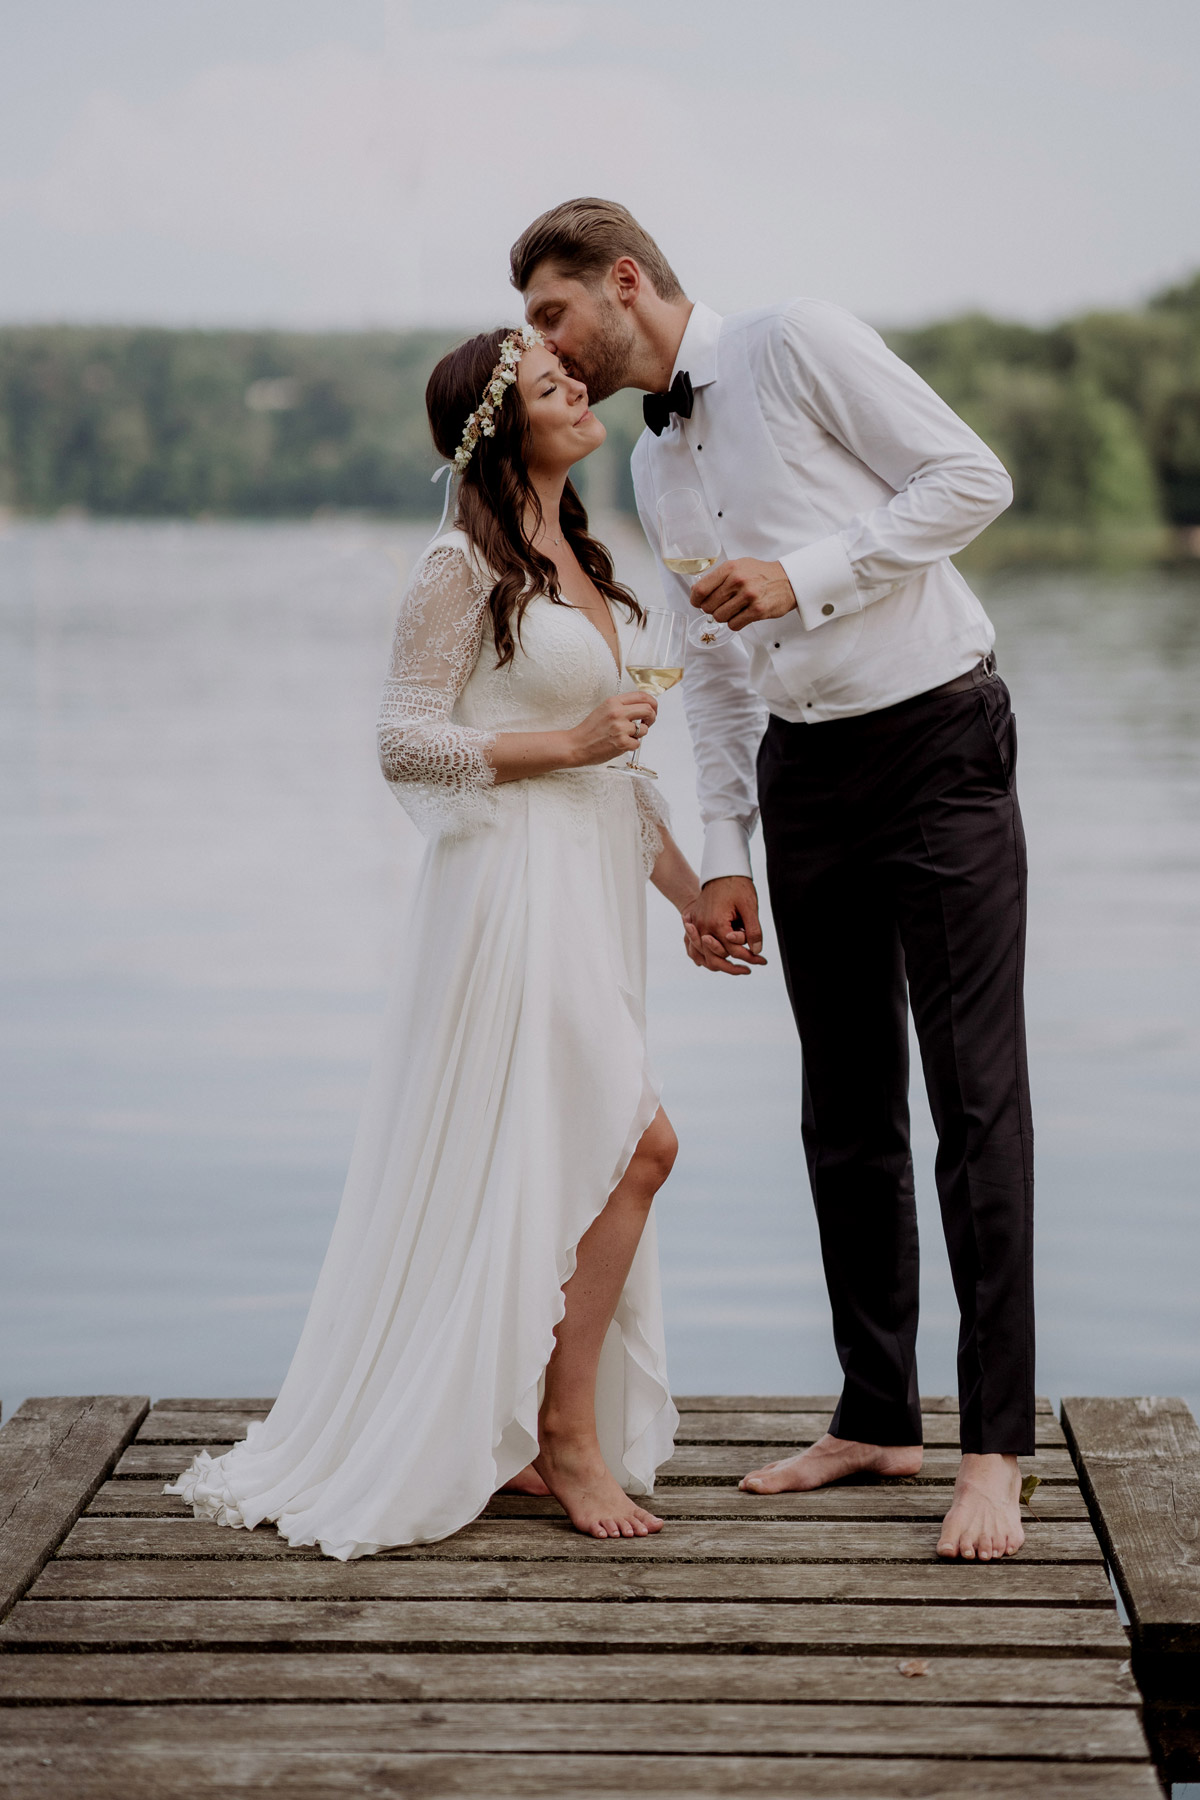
<point x="496" y="493"/>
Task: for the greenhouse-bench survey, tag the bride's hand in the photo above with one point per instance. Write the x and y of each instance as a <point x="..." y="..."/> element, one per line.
<point x="721" y="928"/>
<point x="615" y="726"/>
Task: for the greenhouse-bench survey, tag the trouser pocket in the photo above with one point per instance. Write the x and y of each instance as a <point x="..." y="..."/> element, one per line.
<point x="1002" y="725"/>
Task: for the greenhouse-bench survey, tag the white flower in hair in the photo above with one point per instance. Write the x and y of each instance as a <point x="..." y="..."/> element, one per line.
<point x="482" y="421"/>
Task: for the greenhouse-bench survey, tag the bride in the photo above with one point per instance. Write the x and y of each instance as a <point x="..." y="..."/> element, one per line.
<point x="488" y="1313"/>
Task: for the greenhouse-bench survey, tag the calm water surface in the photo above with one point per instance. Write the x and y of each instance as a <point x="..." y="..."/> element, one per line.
<point x="205" y="891"/>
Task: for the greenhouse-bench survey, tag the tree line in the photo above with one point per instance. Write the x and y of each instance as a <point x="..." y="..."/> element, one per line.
<point x="1097" y="418"/>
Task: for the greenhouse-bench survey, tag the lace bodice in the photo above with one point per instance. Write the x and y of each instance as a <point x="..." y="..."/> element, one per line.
<point x="445" y="701"/>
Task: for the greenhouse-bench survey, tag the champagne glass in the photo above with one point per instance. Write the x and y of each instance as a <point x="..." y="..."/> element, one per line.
<point x="655" y="663"/>
<point x="690" y="544"/>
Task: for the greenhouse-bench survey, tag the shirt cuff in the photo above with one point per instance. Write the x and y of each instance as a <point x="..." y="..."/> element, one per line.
<point x="823" y="582"/>
<point x="726" y="850"/>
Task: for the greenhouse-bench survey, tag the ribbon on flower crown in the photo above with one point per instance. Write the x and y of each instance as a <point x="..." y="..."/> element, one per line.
<point x="447" y="469"/>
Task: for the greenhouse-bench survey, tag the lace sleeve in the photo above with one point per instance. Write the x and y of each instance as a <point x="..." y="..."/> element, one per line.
<point x="653" y="819"/>
<point x="437" y="769"/>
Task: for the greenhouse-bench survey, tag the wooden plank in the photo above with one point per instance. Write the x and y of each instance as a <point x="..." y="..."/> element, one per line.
<point x="934" y="1583"/>
<point x="707" y="1464"/>
<point x="608" y="1727"/>
<point x="588" y="1626"/>
<point x="703" y="1465"/>
<point x="163" y="1460"/>
<point x="813" y="1403"/>
<point x="259" y="1407"/>
<point x="541" y="1540"/>
<point x="711" y="1427"/>
<point x="142" y="1497"/>
<point x="1108" y="1430"/>
<point x="54" y="1454"/>
<point x="845" y="1500"/>
<point x="1139" y="1463"/>
<point x="136" y="1499"/>
<point x="994" y="1681"/>
<point x="1149" y="1522"/>
<point x="200" y="1427"/>
<point x="179" y="1422"/>
<point x="77" y="1772"/>
<point x="769" y="1431"/>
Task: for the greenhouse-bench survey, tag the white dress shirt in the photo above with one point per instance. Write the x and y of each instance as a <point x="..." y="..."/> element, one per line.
<point x="816" y="447"/>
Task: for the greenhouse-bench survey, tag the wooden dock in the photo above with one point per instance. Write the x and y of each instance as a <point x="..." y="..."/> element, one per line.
<point x="1139" y="1462"/>
<point x="797" y="1645"/>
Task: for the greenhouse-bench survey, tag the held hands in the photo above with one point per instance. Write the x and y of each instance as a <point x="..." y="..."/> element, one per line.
<point x="615" y="726"/>
<point x="721" y="928"/>
<point x="744" y="591"/>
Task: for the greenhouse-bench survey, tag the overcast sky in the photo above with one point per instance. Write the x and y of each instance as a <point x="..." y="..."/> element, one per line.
<point x="368" y="162"/>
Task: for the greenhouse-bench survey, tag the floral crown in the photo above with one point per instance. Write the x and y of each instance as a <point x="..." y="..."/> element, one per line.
<point x="482" y="422"/>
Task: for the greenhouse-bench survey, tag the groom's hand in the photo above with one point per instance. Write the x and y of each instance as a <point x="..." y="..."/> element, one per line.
<point x="721" y="928"/>
<point x="742" y="592"/>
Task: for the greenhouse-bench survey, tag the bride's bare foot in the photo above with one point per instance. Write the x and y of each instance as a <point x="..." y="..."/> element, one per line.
<point x="831" y="1459"/>
<point x="984" y="1520"/>
<point x="581" y="1481"/>
<point x="527" y="1482"/>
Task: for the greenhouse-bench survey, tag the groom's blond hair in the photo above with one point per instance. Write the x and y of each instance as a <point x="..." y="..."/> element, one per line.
<point x="584" y="238"/>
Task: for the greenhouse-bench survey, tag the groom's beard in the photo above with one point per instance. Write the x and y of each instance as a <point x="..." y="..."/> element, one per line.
<point x="602" y="364"/>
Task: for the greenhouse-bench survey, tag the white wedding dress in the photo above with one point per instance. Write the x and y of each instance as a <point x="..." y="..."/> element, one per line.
<point x="505" y="1102"/>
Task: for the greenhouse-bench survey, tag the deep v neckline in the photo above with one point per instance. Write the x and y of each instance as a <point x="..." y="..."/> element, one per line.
<point x="618" y="660"/>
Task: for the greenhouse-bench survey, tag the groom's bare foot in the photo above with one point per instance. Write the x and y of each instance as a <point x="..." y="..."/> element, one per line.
<point x="527" y="1482"/>
<point x="984" y="1521"/>
<point x="583" y="1484"/>
<point x="832" y="1459"/>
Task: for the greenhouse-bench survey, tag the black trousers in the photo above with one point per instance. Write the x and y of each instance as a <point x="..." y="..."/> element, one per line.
<point x="896" y="865"/>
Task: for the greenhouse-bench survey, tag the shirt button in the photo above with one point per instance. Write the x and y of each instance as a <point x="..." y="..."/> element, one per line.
<point x="827" y="608"/>
<point x="808" y="703"/>
<point x="720" y="515"/>
<point x="699" y="446"/>
<point x="776" y="646"/>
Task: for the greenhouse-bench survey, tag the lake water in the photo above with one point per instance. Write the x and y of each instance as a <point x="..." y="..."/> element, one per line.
<point x="205" y="891"/>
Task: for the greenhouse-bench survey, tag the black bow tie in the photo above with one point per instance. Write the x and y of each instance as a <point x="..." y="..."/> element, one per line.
<point x="657" y="408"/>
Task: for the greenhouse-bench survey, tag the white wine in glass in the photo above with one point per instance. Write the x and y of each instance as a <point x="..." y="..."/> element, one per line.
<point x="689" y="565"/>
<point x="690" y="543"/>
<point x="654" y="681"/>
<point x="655" y="663"/>
<point x="687" y="531"/>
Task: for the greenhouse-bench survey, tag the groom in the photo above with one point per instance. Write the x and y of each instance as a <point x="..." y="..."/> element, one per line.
<point x="841" y="486"/>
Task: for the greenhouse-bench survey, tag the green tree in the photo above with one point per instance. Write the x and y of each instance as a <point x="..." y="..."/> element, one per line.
<point x="1097" y="418"/>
